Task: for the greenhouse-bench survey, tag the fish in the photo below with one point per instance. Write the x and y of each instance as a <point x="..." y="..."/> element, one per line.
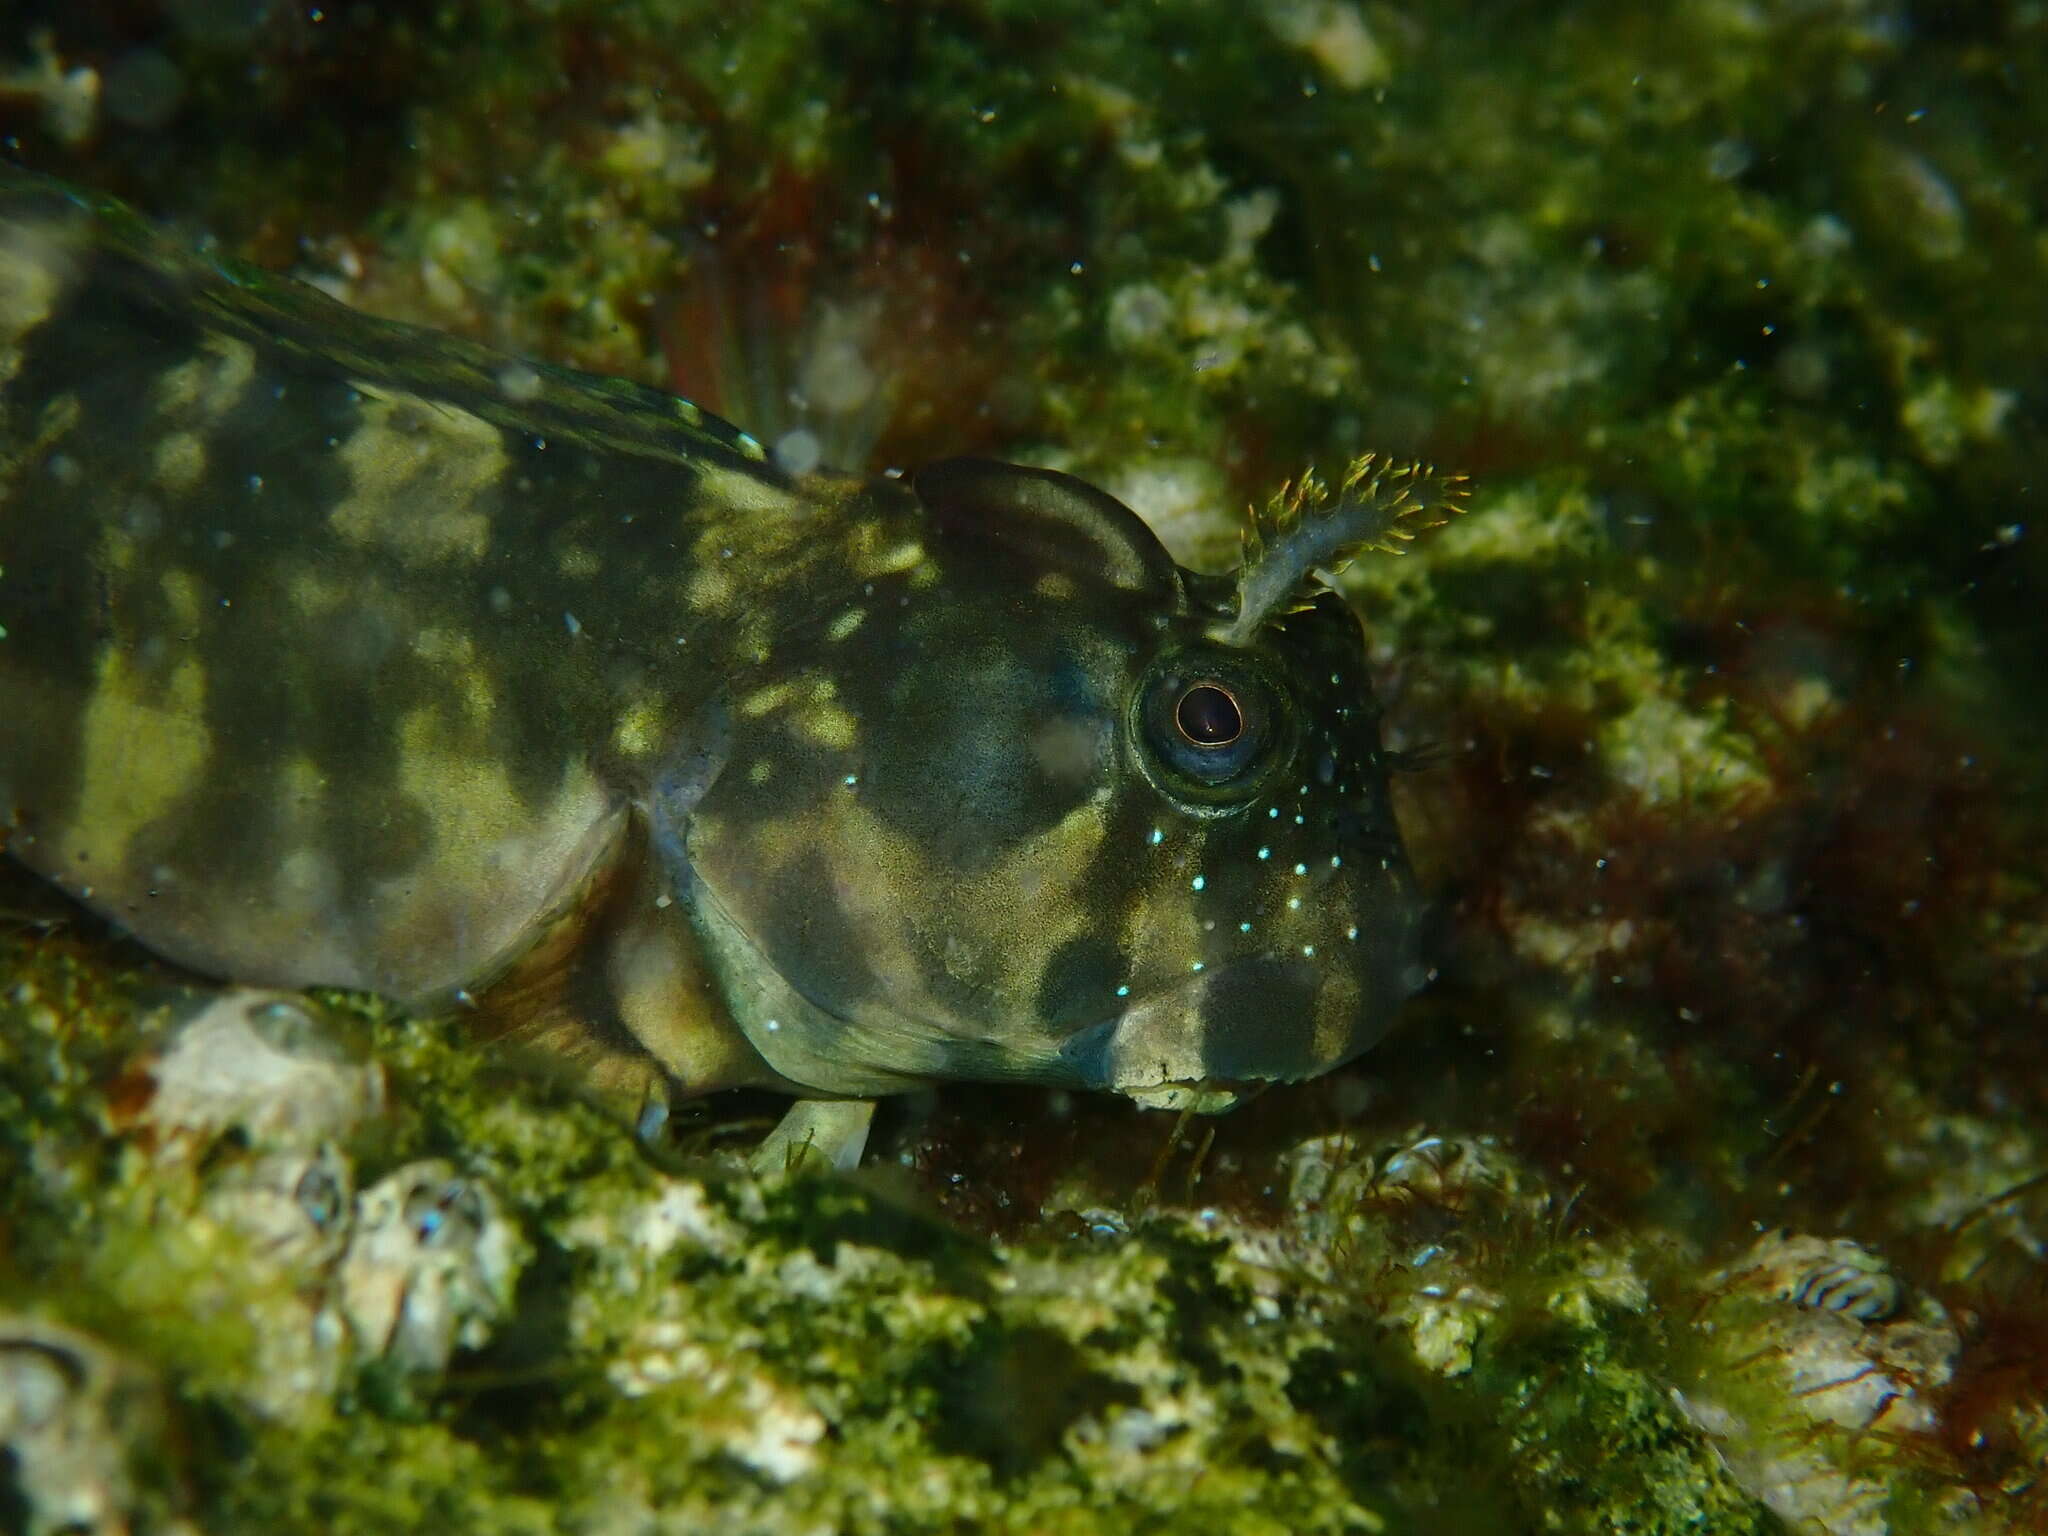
<point x="337" y="652"/>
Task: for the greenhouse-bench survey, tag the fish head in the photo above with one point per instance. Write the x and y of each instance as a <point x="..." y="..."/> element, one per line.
<point x="1030" y="807"/>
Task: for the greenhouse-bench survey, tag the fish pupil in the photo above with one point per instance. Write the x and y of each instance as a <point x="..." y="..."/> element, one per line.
<point x="1208" y="716"/>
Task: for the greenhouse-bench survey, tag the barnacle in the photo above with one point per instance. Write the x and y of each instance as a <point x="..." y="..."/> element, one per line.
<point x="431" y="1266"/>
<point x="71" y="1413"/>
<point x="269" y="1065"/>
<point x="292" y="1206"/>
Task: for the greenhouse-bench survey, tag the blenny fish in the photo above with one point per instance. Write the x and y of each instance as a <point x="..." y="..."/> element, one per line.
<point x="339" y="652"/>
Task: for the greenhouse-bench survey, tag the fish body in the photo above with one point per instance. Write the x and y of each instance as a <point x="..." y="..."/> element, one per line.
<point x="340" y="652"/>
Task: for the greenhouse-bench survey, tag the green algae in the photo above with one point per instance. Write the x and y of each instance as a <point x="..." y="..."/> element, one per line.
<point x="705" y="1347"/>
<point x="1601" y="1446"/>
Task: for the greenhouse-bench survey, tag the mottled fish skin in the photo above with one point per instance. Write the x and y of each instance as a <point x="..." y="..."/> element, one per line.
<point x="340" y="652"/>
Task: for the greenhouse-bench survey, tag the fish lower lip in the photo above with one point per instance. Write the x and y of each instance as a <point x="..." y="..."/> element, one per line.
<point x="1093" y="1055"/>
<point x="1191" y="1098"/>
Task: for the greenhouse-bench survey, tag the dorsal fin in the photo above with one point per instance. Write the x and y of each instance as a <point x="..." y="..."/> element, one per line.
<point x="1308" y="525"/>
<point x="270" y="310"/>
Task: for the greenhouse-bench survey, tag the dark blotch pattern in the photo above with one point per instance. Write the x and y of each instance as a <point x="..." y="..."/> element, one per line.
<point x="1080" y="981"/>
<point x="1258" y="1020"/>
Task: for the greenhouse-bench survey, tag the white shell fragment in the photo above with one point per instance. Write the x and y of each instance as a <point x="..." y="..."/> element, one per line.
<point x="272" y="1065"/>
<point x="70" y="1414"/>
<point x="431" y="1266"/>
<point x="1848" y="1346"/>
<point x="1819" y="1361"/>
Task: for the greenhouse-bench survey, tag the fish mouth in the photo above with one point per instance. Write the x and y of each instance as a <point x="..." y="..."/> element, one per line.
<point x="1106" y="1056"/>
<point x="1207" y="1043"/>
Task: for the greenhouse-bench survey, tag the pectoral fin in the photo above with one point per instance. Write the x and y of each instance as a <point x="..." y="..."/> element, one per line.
<point x="817" y="1134"/>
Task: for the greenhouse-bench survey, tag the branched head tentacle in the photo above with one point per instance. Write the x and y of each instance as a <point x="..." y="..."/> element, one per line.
<point x="1309" y="526"/>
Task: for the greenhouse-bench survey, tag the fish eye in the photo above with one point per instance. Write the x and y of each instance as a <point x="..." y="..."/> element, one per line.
<point x="1208" y="716"/>
<point x="1205" y="724"/>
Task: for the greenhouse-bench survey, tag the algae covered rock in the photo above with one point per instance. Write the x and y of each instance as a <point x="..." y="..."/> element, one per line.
<point x="550" y="1326"/>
